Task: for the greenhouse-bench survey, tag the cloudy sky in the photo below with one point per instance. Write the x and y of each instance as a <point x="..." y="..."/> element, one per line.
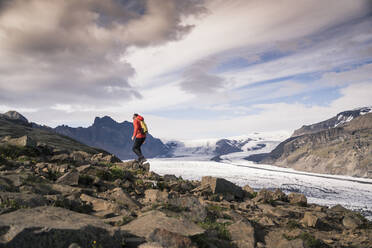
<point x="193" y="68"/>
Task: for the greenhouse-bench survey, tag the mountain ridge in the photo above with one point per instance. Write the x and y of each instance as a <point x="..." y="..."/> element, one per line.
<point x="344" y="149"/>
<point x="113" y="136"/>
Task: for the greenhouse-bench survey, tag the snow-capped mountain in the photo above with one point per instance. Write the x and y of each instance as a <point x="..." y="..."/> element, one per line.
<point x="215" y="148"/>
<point x="336" y="121"/>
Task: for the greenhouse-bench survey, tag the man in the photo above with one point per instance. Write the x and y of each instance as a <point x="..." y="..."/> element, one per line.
<point x="139" y="137"/>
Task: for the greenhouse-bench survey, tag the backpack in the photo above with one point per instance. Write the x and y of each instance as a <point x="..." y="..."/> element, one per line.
<point x="144" y="129"/>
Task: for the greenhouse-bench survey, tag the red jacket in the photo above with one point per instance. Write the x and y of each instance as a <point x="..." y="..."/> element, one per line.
<point x="137" y="127"/>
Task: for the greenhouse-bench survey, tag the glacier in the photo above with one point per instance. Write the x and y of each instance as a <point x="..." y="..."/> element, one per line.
<point x="327" y="190"/>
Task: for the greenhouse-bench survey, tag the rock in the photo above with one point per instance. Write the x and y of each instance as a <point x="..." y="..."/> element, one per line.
<point x="70" y="178"/>
<point x="169" y="178"/>
<point x="351" y="222"/>
<point x="144" y="225"/>
<point x="5" y="184"/>
<point x="266" y="221"/>
<point x="102" y="207"/>
<point x="248" y="190"/>
<point x="146" y="167"/>
<point x="80" y="156"/>
<point x="55" y="227"/>
<point x="84" y="168"/>
<point x="64" y="189"/>
<point x="222" y="186"/>
<point x="119" y="196"/>
<point x="339" y="208"/>
<point x="105" y="158"/>
<point x="242" y="234"/>
<point x="277" y="240"/>
<point x="193" y="208"/>
<point x="155" y="195"/>
<point x="170" y="239"/>
<point x="151" y="245"/>
<point x="274" y="211"/>
<point x="21" y="200"/>
<point x="74" y="245"/>
<point x="298" y="199"/>
<point x="64" y="157"/>
<point x="279" y="195"/>
<point x="264" y="196"/>
<point x="22" y="141"/>
<point x="310" y="220"/>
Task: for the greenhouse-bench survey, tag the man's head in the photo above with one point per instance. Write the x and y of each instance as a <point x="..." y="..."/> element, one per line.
<point x="135" y="116"/>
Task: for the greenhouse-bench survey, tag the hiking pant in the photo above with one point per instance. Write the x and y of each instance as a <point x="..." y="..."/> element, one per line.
<point x="137" y="146"/>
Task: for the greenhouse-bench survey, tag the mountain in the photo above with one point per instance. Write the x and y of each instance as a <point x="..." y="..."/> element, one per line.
<point x="336" y="121"/>
<point x="114" y="137"/>
<point x="216" y="148"/>
<point x="340" y="145"/>
<point x="17" y="130"/>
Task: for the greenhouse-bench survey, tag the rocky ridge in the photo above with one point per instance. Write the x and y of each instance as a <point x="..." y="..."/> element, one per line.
<point x="60" y="198"/>
<point x="338" y="120"/>
<point x="342" y="150"/>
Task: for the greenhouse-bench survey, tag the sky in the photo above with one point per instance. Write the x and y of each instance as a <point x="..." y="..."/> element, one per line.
<point x="193" y="68"/>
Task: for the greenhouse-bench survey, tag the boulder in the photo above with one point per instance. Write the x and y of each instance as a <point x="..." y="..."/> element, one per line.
<point x="144" y="225"/>
<point x="21" y="200"/>
<point x="64" y="157"/>
<point x="169" y="178"/>
<point x="85" y="168"/>
<point x="105" y="158"/>
<point x="151" y="245"/>
<point x="222" y="186"/>
<point x="279" y="195"/>
<point x="123" y="198"/>
<point x="274" y="211"/>
<point x="310" y="220"/>
<point x="242" y="234"/>
<point x="339" y="208"/>
<point x="298" y="199"/>
<point x="276" y="239"/>
<point x="22" y="141"/>
<point x="266" y="221"/>
<point x="248" y="190"/>
<point x="145" y="167"/>
<point x="6" y="184"/>
<point x="55" y="227"/>
<point x="102" y="207"/>
<point x="194" y="210"/>
<point x="70" y="178"/>
<point x="170" y="239"/>
<point x="264" y="196"/>
<point x="64" y="189"/>
<point x="155" y="195"/>
<point x="351" y="222"/>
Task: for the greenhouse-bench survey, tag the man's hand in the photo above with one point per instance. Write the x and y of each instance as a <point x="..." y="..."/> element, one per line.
<point x="132" y="137"/>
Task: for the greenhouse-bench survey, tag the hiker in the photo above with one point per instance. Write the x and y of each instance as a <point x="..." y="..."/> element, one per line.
<point x="139" y="136"/>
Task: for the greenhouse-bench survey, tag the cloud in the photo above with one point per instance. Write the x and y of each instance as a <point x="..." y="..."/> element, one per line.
<point x="70" y="51"/>
<point x="198" y="80"/>
<point x="351" y="75"/>
<point x="248" y="26"/>
<point x="65" y="62"/>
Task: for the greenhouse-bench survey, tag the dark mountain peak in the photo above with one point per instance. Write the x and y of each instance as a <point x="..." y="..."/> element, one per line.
<point x="15" y="116"/>
<point x="104" y="121"/>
